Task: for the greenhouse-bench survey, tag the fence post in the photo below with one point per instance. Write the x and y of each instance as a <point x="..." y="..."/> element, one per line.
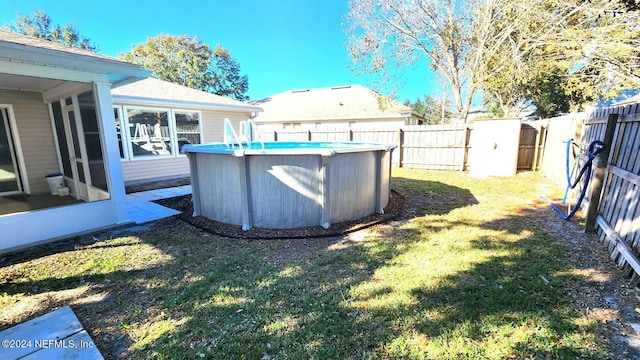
<point x="599" y="177"/>
<point x="465" y="145"/>
<point x="400" y="142"/>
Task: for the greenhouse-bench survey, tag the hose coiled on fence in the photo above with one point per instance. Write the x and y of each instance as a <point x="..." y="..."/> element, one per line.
<point x="592" y="151"/>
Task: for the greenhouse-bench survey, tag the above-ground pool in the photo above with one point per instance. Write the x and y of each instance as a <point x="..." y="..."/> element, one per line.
<point x="284" y="185"/>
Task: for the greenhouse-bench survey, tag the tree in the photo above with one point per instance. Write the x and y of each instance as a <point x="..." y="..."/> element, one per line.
<point x="226" y="75"/>
<point x="560" y="54"/>
<point x="430" y="109"/>
<point x="190" y="62"/>
<point x="39" y="25"/>
<point x="506" y="48"/>
<point x="452" y="37"/>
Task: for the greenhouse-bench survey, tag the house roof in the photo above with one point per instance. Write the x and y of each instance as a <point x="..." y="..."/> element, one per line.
<point x="158" y="92"/>
<point x="631" y="99"/>
<point x="24" y="52"/>
<point x="330" y="103"/>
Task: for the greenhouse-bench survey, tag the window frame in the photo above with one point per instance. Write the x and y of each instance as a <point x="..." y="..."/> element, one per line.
<point x="175" y="126"/>
<point x="131" y="155"/>
<point x="126" y="125"/>
<point x="123" y="138"/>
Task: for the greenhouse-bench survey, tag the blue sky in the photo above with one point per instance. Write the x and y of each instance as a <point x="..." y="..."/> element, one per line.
<point x="280" y="44"/>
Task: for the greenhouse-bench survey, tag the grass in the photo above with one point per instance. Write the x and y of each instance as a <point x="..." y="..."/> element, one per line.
<point x="473" y="275"/>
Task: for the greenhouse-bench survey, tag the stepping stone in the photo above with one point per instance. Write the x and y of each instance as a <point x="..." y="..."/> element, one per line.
<point x="56" y="335"/>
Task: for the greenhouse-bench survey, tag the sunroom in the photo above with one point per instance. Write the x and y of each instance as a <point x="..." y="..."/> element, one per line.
<point x="57" y="122"/>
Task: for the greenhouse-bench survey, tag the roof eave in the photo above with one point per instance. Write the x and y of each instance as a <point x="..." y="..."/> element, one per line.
<point x="116" y="70"/>
<point x="136" y="100"/>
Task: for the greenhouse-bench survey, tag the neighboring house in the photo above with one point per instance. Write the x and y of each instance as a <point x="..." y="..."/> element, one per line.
<point x="56" y="116"/>
<point x="161" y="117"/>
<point x="332" y="107"/>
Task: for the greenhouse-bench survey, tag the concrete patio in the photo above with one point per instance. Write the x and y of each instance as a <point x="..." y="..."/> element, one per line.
<point x="142" y="209"/>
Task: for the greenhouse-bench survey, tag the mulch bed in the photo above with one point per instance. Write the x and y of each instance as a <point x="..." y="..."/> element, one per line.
<point x="396" y="208"/>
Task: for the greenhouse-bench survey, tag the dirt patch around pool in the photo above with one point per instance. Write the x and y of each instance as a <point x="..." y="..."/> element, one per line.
<point x="397" y="207"/>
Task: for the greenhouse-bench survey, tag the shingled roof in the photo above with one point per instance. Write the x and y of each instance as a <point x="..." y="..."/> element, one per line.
<point x="18" y="53"/>
<point x="330" y="103"/>
<point x="26" y="41"/>
<point x="163" y="92"/>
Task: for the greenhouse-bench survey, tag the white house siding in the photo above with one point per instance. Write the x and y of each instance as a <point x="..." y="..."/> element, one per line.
<point x="213" y="124"/>
<point x="36" y="136"/>
<point x="155" y="168"/>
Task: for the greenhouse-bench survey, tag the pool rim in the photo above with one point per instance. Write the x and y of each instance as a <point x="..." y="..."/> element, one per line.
<point x="256" y="148"/>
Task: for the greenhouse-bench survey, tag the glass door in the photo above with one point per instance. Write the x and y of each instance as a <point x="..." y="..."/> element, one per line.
<point x="9" y="175"/>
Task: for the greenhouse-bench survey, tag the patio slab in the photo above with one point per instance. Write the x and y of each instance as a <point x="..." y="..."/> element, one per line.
<point x="142" y="209"/>
<point x="56" y="335"/>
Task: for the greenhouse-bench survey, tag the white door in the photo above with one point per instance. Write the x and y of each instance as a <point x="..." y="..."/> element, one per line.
<point x="9" y="174"/>
<point x="75" y="145"/>
<point x="76" y="136"/>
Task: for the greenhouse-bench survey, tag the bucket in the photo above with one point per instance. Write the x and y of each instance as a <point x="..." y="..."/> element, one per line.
<point x="55" y="181"/>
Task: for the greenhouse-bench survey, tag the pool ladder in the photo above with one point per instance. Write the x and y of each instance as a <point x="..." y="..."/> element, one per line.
<point x="249" y="133"/>
<point x="230" y="135"/>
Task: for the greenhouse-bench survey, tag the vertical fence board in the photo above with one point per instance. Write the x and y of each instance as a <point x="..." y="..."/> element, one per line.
<point x="617" y="215"/>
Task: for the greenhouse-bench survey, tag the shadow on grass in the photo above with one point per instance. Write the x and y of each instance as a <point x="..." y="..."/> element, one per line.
<point x="432" y="197"/>
<point x="408" y="292"/>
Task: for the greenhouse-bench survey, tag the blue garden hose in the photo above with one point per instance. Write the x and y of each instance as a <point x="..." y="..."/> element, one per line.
<point x="570" y="144"/>
<point x="593" y="150"/>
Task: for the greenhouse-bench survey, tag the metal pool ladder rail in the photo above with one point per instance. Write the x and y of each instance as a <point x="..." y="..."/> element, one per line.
<point x="248" y="131"/>
<point x="230" y="135"/>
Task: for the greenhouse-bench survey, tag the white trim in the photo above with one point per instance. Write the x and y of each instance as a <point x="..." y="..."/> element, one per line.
<point x="22" y="167"/>
<point x="125" y="148"/>
<point x="84" y="157"/>
<point x="183" y="111"/>
<point x="172" y="128"/>
<point x="111" y="153"/>
<point x="71" y="147"/>
<point x="31" y="227"/>
<point x="142" y="101"/>
<point x="128" y="133"/>
<point x="65" y="63"/>
<point x="13" y="155"/>
<point x="65" y="90"/>
<point x="52" y="72"/>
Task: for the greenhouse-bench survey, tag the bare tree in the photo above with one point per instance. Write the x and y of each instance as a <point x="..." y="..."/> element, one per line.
<point x="451" y="35"/>
<point x="503" y="47"/>
<point x="559" y="54"/>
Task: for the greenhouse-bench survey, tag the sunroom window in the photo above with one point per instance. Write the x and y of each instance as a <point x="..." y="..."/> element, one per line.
<point x="187" y="127"/>
<point x="157" y="132"/>
<point x="149" y="132"/>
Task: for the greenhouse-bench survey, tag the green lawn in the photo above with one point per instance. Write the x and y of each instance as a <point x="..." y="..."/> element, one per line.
<point x="472" y="275"/>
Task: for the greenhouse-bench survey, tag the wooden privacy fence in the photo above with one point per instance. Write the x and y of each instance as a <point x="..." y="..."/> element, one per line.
<point x="613" y="198"/>
<point x="431" y="147"/>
